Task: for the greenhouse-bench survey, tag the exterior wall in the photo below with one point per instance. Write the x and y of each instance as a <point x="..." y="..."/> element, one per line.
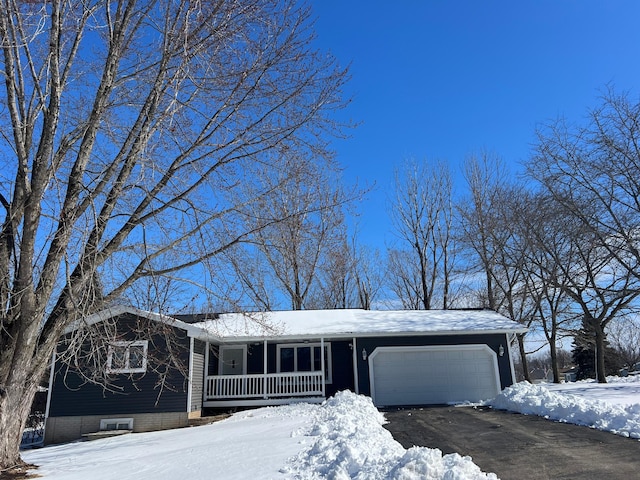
<point x="342" y="362"/>
<point x="197" y="378"/>
<point x="65" y="429"/>
<point x="492" y="341"/>
<point x="127" y="394"/>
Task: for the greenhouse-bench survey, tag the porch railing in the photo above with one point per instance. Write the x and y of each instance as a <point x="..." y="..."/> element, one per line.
<point x="270" y="385"/>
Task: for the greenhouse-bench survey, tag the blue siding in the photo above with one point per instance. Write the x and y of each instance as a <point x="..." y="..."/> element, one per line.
<point x="139" y="393"/>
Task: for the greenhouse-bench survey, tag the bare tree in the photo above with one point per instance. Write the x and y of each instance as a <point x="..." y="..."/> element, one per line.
<point x="126" y="129"/>
<point x="591" y="170"/>
<point x="486" y="178"/>
<point x="624" y="337"/>
<point x="305" y="229"/>
<point x="422" y="216"/>
<point x="368" y="276"/>
<point x="540" y="224"/>
<point x="496" y="244"/>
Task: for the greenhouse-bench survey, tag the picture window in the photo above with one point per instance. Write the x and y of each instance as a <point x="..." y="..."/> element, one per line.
<point x="304" y="357"/>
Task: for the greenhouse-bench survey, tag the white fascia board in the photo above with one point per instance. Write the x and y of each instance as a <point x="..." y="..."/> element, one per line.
<point x="351" y="335"/>
<point x="110" y="312"/>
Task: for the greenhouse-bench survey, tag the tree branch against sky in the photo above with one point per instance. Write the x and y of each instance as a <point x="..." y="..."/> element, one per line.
<point x="126" y="129"/>
<point x="422" y="214"/>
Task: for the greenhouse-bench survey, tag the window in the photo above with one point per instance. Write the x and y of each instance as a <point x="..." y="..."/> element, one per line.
<point x="116" y="424"/>
<point x="304" y="357"/>
<point x="127" y="357"/>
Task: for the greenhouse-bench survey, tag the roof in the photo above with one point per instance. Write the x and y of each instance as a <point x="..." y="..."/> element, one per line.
<point x="354" y="322"/>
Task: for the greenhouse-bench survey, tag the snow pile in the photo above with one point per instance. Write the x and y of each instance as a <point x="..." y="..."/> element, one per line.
<point x="350" y="443"/>
<point x="621" y="419"/>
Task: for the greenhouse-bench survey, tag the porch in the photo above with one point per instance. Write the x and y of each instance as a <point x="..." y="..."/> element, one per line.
<point x="264" y="389"/>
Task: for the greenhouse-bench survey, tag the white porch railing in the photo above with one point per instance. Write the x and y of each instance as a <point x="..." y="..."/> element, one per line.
<point x="270" y="385"/>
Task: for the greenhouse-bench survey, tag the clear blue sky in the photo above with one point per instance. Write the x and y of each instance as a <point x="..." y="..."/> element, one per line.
<point x="442" y="79"/>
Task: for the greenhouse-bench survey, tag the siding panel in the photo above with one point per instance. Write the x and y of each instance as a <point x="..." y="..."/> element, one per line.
<point x="162" y="391"/>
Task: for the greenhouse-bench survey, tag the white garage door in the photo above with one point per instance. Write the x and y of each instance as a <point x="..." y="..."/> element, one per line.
<point x="433" y="375"/>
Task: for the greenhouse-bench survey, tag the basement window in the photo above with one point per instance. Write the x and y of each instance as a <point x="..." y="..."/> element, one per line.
<point x="127" y="357"/>
<point x="107" y="424"/>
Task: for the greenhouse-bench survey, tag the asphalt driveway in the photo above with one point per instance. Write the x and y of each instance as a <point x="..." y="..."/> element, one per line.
<point x="518" y="447"/>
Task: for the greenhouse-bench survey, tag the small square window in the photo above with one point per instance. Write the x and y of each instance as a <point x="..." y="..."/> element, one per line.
<point x="127" y="357"/>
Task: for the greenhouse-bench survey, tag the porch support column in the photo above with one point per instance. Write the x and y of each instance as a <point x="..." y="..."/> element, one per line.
<point x="192" y="347"/>
<point x="264" y="379"/>
<point x="355" y="366"/>
<point x="322" y="360"/>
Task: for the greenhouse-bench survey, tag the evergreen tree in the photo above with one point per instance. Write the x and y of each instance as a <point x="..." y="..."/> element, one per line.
<point x="583" y="354"/>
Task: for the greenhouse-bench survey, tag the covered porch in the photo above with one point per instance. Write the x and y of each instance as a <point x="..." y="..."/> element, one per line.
<point x="290" y="371"/>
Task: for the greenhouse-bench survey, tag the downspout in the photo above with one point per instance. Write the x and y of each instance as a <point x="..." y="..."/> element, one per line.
<point x="355" y="366"/>
<point x="51" y="375"/>
<point x="264" y="369"/>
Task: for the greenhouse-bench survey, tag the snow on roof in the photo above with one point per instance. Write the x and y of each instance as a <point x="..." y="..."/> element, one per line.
<point x="346" y="323"/>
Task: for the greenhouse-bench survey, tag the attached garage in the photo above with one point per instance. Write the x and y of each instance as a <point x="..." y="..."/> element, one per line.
<point x="428" y="375"/>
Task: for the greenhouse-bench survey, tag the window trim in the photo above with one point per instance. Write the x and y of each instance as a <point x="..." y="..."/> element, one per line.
<point x="127" y="354"/>
<point x="327" y="358"/>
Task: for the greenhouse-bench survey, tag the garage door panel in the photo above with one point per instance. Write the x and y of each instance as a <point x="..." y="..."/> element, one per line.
<point x="433" y="375"/>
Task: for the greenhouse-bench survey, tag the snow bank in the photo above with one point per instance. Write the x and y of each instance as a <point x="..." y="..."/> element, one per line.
<point x="623" y="419"/>
<point x="349" y="442"/>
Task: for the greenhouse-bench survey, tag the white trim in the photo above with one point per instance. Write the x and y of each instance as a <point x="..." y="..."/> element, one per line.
<point x="322" y="360"/>
<point x="190" y="379"/>
<point x="117" y="310"/>
<point x="50" y="389"/>
<point x="265" y="370"/>
<point x="480" y="346"/>
<point x="347" y="335"/>
<point x="510" y="338"/>
<point x="222" y="348"/>
<point x="355" y="366"/>
<point x="327" y="345"/>
<point x="207" y="346"/>
<point x="105" y="421"/>
<point x="127" y="369"/>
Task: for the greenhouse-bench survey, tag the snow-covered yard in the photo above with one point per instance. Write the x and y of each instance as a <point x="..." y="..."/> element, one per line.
<point x="613" y="407"/>
<point x="341" y="439"/>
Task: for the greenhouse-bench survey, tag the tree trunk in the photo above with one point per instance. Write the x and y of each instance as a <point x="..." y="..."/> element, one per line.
<point x="523" y="357"/>
<point x="15" y="405"/>
<point x="553" y="352"/>
<point x="601" y="374"/>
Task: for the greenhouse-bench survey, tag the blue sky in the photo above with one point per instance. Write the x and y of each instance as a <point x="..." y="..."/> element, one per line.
<point x="444" y="79"/>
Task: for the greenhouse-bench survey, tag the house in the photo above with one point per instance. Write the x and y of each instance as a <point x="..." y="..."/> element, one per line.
<point x="255" y="359"/>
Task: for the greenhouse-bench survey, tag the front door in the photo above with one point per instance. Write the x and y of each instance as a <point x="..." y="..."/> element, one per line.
<point x="232" y="360"/>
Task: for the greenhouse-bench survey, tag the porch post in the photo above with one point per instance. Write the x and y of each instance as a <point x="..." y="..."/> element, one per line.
<point x="322" y="365"/>
<point x="264" y="379"/>
<point x="355" y="366"/>
<point x="205" y="390"/>
<point x="192" y="347"/>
